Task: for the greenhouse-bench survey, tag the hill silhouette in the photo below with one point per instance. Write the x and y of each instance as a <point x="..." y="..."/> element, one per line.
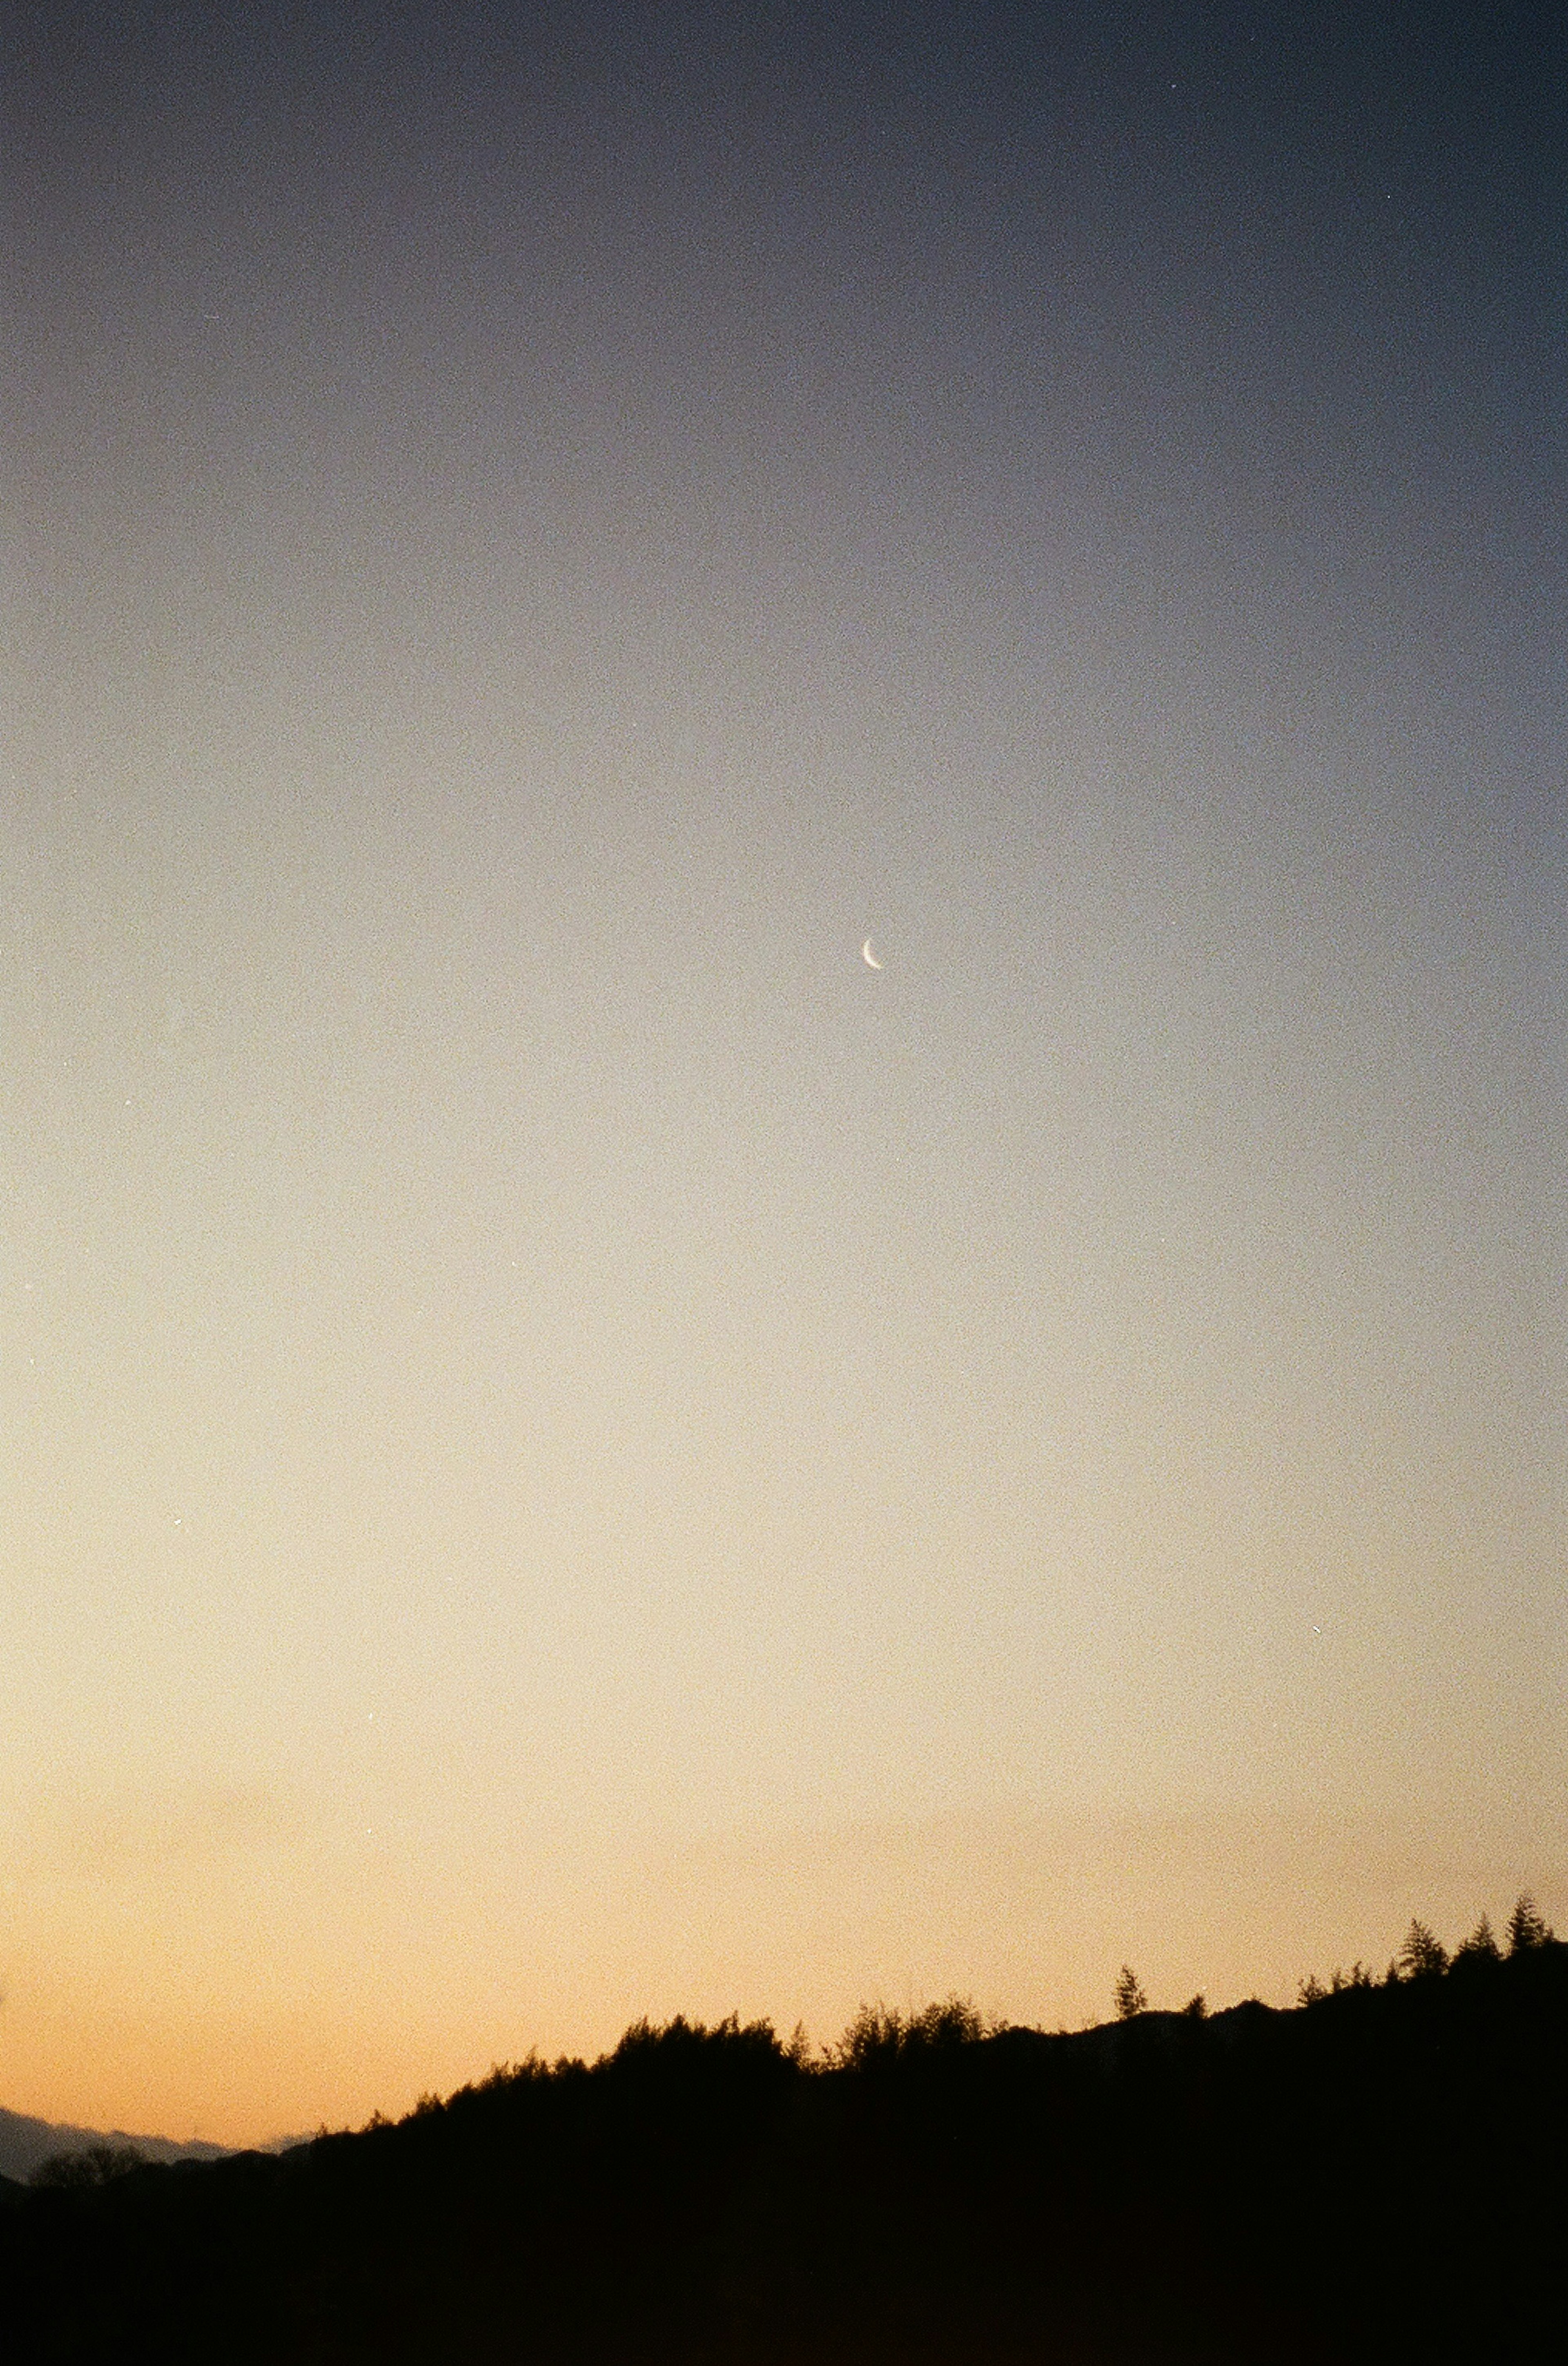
<point x="26" y="2144"/>
<point x="1378" y="2172"/>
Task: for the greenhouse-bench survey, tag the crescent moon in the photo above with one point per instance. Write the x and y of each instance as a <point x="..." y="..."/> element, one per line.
<point x="868" y="956"/>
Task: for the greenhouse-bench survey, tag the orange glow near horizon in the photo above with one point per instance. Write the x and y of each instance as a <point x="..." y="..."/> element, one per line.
<point x="238" y="2033"/>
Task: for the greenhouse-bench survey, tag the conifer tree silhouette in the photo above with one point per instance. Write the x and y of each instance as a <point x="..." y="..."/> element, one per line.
<point x="1528" y="1927"/>
<point x="1423" y="1955"/>
<point x="1481" y="1944"/>
<point x="1129" y="1998"/>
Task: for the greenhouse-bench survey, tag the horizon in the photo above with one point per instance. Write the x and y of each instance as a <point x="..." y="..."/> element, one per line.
<point x="572" y="1448"/>
<point x="1273" y="1953"/>
<point x="1495" y="1937"/>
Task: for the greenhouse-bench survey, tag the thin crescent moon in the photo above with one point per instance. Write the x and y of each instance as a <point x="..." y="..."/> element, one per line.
<point x="868" y="956"/>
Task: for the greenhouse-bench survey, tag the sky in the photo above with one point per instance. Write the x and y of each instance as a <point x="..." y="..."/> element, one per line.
<point x="567" y="1448"/>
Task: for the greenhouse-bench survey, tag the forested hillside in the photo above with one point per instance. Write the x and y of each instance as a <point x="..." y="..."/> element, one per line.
<point x="1378" y="2173"/>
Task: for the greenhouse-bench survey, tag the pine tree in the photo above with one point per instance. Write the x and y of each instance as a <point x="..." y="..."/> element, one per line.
<point x="1481" y="1943"/>
<point x="1423" y="1955"/>
<point x="1528" y="1927"/>
<point x="1129" y="1998"/>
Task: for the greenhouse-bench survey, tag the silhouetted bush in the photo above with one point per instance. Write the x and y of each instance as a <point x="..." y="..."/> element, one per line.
<point x="97" y="2164"/>
<point x="879" y="2033"/>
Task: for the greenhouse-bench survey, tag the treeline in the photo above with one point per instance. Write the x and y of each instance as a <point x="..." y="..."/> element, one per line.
<point x="1423" y="1956"/>
<point x="1378" y="2172"/>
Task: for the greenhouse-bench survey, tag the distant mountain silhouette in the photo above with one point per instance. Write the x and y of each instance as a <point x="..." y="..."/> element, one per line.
<point x="26" y="2144"/>
<point x="1377" y="2173"/>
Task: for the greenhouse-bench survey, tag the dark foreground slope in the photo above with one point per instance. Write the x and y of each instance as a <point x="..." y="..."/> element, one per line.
<point x="1382" y="2173"/>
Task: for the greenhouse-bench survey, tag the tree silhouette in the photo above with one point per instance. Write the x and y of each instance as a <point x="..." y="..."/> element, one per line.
<point x="1423" y="1955"/>
<point x="97" y="2164"/>
<point x="881" y="2033"/>
<point x="1528" y="1927"/>
<point x="1481" y="1944"/>
<point x="1129" y="1998"/>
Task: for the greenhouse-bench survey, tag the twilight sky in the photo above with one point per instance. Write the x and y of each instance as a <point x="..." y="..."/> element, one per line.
<point x="567" y="1449"/>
